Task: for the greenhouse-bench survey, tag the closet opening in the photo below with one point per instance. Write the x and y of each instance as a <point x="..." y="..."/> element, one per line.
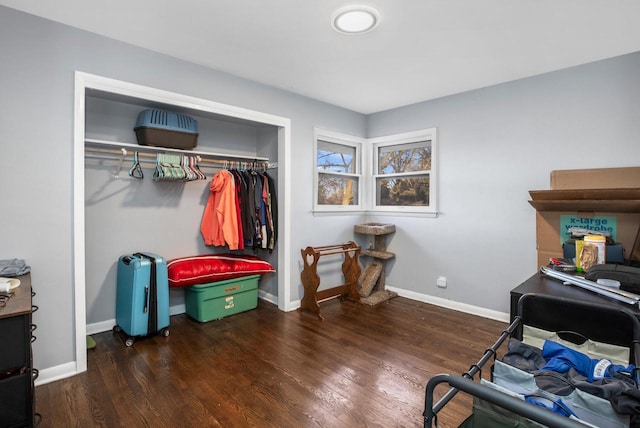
<point x="116" y="214"/>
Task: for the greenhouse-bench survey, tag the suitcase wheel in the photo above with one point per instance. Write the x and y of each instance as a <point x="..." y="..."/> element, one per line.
<point x="164" y="332"/>
<point x="129" y="341"/>
<point x="116" y="329"/>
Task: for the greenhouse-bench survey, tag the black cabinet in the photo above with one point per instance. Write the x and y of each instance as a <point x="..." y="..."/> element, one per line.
<point x="545" y="285"/>
<point x="17" y="375"/>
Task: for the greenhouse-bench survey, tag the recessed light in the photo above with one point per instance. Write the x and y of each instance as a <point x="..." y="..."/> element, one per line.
<point x="355" y="19"/>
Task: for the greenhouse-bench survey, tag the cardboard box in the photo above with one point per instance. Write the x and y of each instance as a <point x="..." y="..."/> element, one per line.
<point x="586" y="200"/>
<point x="544" y="256"/>
<point x="215" y="300"/>
<point x="548" y="228"/>
<point x="626" y="206"/>
<point x="598" y="178"/>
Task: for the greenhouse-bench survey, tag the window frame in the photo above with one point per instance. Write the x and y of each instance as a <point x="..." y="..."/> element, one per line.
<point x="406" y="138"/>
<point x="347" y="141"/>
<point x="366" y="158"/>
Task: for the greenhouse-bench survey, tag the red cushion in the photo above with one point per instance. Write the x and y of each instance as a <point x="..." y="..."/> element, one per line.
<point x="187" y="271"/>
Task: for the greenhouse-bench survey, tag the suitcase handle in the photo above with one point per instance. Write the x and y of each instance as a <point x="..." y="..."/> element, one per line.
<point x="151" y="298"/>
<point x="146" y="299"/>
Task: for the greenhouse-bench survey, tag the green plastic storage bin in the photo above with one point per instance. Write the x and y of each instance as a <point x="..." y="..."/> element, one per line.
<point x="215" y="300"/>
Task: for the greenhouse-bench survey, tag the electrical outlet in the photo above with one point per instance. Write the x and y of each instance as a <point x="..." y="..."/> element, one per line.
<point x="441" y="282"/>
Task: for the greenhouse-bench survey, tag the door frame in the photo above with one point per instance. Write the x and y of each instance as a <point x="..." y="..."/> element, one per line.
<point x="86" y="81"/>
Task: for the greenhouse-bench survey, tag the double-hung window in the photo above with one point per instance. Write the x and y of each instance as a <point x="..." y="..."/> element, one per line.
<point x="338" y="173"/>
<point x="399" y="173"/>
<point x="404" y="178"/>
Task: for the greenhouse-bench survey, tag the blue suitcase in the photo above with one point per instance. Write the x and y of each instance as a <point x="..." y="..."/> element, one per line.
<point x="142" y="296"/>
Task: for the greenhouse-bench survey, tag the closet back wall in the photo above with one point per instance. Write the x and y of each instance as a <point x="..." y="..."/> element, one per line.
<point x="125" y="215"/>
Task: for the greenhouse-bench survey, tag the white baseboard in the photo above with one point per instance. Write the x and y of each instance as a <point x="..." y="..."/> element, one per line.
<point x="294" y="305"/>
<point x="451" y="304"/>
<point x="177" y="309"/>
<point x="52" y="374"/>
<point x="102" y="326"/>
<point x="268" y="297"/>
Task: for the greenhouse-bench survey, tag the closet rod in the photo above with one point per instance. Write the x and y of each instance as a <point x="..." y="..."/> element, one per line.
<point x="99" y="145"/>
<point x="117" y="154"/>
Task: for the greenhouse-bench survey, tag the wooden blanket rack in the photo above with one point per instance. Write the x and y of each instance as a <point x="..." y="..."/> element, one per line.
<point x="311" y="280"/>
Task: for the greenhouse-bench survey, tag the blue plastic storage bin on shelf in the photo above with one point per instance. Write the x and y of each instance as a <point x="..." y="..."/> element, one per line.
<point x="162" y="128"/>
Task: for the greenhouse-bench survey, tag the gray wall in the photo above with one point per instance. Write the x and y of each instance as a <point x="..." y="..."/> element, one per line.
<point x="496" y="144"/>
<point x="39" y="59"/>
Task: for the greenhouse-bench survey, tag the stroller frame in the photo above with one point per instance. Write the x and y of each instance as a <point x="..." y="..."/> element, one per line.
<point x="584" y="324"/>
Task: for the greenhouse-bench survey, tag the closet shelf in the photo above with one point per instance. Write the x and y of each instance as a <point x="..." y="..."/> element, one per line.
<point x="100" y="145"/>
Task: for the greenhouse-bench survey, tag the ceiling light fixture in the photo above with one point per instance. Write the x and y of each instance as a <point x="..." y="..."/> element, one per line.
<point x="355" y="19"/>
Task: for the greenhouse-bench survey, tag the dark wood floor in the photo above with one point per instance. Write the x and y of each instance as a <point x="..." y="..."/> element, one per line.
<point x="362" y="366"/>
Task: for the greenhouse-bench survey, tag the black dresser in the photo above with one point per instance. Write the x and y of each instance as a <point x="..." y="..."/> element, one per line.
<point x="608" y="329"/>
<point x="17" y="375"/>
<point x="544" y="285"/>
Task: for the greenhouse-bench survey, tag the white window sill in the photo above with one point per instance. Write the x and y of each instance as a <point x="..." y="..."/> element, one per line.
<point x="330" y="212"/>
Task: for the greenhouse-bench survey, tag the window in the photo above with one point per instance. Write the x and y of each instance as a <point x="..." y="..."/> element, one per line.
<point x="399" y="173"/>
<point x="337" y="170"/>
<point x="404" y="172"/>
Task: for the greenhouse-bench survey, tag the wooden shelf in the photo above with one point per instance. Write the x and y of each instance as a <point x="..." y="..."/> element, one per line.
<point x="383" y="255"/>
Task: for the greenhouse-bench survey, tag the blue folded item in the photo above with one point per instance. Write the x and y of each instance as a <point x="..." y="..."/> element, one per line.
<point x="13" y="267"/>
<point x="561" y="358"/>
<point x="556" y="407"/>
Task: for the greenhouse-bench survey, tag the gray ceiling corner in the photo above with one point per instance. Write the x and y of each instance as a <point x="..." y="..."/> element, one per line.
<point x="422" y="50"/>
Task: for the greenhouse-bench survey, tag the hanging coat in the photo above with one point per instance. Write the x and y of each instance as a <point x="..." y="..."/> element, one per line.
<point x="273" y="210"/>
<point x="219" y="224"/>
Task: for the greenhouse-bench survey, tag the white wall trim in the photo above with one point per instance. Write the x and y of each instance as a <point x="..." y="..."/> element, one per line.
<point x="451" y="304"/>
<point x="52" y="374"/>
<point x="294" y="305"/>
<point x="284" y="189"/>
<point x="177" y="309"/>
<point x="79" y="272"/>
<point x="100" y="327"/>
<point x="84" y="81"/>
<point x="268" y="297"/>
<point x="103" y="326"/>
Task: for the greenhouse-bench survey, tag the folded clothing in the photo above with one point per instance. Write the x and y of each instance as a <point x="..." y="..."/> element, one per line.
<point x="13" y="267"/>
<point x="203" y="269"/>
<point x="560" y="371"/>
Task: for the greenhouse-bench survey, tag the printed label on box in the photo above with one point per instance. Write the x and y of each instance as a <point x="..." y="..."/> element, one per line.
<point x="228" y="302"/>
<point x="598" y="223"/>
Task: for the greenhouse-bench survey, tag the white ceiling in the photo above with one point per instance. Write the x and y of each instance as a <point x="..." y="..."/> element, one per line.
<point x="423" y="49"/>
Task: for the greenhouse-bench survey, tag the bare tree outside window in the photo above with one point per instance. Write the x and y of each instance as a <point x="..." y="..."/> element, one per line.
<point x="337" y="183"/>
<point x="403" y="174"/>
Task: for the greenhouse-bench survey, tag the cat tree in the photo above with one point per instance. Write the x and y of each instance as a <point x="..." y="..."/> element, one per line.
<point x="371" y="284"/>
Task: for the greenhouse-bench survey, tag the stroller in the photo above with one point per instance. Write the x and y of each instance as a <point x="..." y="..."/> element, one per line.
<point x="517" y="398"/>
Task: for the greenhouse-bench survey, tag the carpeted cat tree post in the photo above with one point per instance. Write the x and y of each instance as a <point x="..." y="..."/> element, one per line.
<point x="371" y="281"/>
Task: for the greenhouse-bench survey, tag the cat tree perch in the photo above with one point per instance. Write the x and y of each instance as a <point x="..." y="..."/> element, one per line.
<point x="371" y="284"/>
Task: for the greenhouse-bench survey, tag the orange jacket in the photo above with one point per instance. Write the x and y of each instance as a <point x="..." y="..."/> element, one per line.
<point x="219" y="224"/>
